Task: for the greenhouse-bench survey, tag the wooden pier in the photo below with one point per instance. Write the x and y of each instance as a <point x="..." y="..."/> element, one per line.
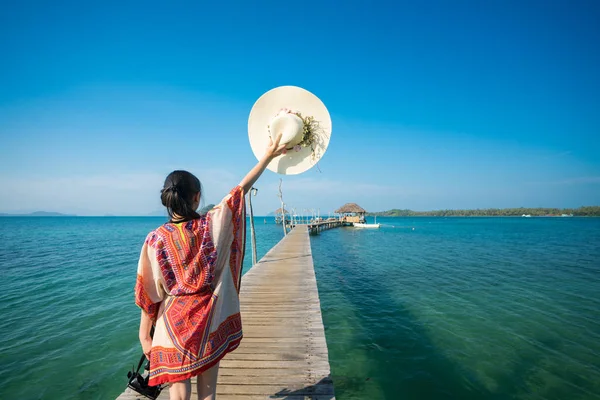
<point x="283" y="354"/>
<point x="315" y="227"/>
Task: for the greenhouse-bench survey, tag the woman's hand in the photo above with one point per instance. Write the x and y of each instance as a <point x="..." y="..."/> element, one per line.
<point x="146" y="346"/>
<point x="275" y="149"/>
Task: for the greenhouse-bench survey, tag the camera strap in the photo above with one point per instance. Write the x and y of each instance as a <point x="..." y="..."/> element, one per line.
<point x="140" y="363"/>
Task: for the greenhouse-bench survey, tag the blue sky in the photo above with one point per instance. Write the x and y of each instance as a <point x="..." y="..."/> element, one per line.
<point x="436" y="104"/>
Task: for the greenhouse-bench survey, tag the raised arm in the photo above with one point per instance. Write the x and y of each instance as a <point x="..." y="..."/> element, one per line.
<point x="273" y="150"/>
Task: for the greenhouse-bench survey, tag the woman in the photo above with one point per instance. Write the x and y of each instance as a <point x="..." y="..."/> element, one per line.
<point x="188" y="283"/>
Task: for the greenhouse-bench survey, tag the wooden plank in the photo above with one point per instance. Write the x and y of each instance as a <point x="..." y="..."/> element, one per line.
<point x="288" y="356"/>
<point x="284" y="352"/>
<point x="275" y="372"/>
<point x="246" y="364"/>
<point x="277" y="348"/>
<point x="262" y="397"/>
<point x="282" y="340"/>
<point x="264" y="380"/>
<point x="270" y="390"/>
<point x="248" y="315"/>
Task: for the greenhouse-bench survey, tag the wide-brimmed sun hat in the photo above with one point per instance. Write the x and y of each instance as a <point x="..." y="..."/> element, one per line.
<point x="303" y="120"/>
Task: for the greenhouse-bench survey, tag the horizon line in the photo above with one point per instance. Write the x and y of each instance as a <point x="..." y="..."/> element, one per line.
<point x="62" y="214"/>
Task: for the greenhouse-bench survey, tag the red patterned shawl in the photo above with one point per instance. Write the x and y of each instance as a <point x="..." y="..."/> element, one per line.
<point x="188" y="282"/>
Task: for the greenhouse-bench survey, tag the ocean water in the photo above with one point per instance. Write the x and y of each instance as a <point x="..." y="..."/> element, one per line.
<point x="423" y="308"/>
<point x="463" y="308"/>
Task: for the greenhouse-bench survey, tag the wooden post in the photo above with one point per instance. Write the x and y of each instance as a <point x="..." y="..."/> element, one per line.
<point x="280" y="195"/>
<point x="252" y="192"/>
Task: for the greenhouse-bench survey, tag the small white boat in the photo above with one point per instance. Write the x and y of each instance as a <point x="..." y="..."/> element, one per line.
<point x="361" y="225"/>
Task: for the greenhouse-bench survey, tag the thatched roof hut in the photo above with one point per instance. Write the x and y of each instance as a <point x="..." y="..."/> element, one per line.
<point x="278" y="211"/>
<point x="350" y="208"/>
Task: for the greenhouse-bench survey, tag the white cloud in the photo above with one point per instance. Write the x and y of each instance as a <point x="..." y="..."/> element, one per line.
<point x="100" y="194"/>
<point x="578" y="180"/>
<point x="571" y="181"/>
<point x="326" y="194"/>
<point x="327" y="187"/>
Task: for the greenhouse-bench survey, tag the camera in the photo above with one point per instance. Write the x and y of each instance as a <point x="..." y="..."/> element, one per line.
<point x="139" y="383"/>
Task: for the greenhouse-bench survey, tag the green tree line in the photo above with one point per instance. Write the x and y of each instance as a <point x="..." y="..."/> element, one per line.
<point x="588" y="211"/>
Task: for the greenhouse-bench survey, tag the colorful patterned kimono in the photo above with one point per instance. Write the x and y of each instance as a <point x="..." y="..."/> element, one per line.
<point x="188" y="282"/>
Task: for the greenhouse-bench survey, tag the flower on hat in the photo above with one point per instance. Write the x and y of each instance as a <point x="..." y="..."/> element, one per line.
<point x="309" y="130"/>
<point x="284" y="110"/>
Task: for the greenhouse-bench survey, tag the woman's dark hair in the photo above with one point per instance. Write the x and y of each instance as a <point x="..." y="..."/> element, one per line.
<point x="178" y="194"/>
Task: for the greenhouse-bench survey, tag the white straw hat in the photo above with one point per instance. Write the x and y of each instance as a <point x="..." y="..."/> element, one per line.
<point x="303" y="120"/>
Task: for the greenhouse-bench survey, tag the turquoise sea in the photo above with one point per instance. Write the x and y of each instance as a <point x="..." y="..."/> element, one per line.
<point x="423" y="308"/>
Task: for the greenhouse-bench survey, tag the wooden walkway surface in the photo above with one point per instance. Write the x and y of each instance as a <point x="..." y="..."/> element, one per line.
<point x="315" y="227"/>
<point x="283" y="354"/>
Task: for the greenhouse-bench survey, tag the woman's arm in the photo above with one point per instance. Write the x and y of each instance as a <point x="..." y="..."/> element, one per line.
<point x="145" y="339"/>
<point x="273" y="150"/>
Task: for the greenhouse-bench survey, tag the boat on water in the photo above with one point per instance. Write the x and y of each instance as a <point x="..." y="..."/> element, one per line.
<point x="365" y="225"/>
<point x="361" y="225"/>
<point x="526" y="216"/>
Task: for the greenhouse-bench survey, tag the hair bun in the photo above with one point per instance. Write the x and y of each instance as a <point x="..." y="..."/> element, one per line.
<point x="172" y="188"/>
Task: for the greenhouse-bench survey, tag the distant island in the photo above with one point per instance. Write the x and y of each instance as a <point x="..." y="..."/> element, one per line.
<point x="206" y="209"/>
<point x="38" y="214"/>
<point x="588" y="211"/>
